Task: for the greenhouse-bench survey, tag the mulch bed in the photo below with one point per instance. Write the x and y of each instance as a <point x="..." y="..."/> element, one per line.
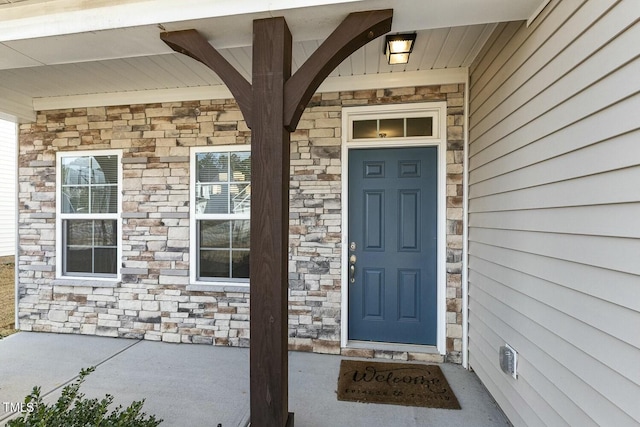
<point x="405" y="384"/>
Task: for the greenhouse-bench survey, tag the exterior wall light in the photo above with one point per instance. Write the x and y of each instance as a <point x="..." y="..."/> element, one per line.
<point x="397" y="48"/>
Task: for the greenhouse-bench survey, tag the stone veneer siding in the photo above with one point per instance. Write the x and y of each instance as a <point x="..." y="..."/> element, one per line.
<point x="152" y="302"/>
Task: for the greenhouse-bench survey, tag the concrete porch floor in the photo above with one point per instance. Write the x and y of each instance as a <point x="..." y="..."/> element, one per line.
<point x="199" y="385"/>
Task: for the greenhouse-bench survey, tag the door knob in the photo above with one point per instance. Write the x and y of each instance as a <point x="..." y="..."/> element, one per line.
<point x="352" y="269"/>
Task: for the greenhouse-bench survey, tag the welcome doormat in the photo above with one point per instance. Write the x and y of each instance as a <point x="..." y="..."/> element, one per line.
<point x="405" y="384"/>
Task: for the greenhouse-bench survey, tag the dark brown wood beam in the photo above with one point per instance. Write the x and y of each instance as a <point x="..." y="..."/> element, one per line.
<point x="269" y="225"/>
<point x="193" y="44"/>
<point x="355" y="31"/>
<point x="272" y="105"/>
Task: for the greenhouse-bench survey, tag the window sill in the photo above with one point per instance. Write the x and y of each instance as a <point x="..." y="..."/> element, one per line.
<point x="92" y="283"/>
<point x="218" y="287"/>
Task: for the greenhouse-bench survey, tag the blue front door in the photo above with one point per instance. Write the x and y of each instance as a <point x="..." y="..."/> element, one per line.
<point x="393" y="245"/>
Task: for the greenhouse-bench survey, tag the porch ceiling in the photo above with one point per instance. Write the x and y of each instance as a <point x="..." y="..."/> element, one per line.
<point x="57" y="53"/>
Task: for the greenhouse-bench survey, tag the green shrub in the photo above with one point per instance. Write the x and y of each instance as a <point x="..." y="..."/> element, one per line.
<point x="74" y="410"/>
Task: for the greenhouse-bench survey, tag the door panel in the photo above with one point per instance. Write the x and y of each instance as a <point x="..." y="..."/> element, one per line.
<point x="393" y="222"/>
<point x="409" y="224"/>
<point x="373" y="294"/>
<point x="409" y="295"/>
<point x="374" y="220"/>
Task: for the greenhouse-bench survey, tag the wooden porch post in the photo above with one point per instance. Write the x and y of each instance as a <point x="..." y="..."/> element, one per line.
<point x="269" y="225"/>
<point x="272" y="106"/>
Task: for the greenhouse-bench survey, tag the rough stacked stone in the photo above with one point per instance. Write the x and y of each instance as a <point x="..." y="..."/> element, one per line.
<point x="152" y="301"/>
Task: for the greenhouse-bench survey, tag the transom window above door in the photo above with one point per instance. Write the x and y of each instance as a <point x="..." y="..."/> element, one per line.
<point x="397" y="122"/>
<point x="393" y="128"/>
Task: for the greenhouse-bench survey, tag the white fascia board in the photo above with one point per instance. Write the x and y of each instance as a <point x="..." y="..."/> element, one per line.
<point x="331" y="84"/>
<point x="74" y="16"/>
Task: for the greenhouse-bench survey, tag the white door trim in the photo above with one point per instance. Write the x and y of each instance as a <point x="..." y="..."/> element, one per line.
<point x="440" y="140"/>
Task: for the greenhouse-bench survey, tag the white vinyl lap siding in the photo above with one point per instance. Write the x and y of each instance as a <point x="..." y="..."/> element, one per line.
<point x="554" y="208"/>
<point x="7" y="188"/>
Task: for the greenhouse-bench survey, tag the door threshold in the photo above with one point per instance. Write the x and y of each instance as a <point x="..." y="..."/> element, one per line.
<point x="390" y="346"/>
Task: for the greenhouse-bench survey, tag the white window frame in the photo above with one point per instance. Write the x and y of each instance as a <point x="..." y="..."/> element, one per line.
<point x="224" y="284"/>
<point x="63" y="216"/>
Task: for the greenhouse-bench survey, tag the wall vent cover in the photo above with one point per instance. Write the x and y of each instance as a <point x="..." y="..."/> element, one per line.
<point x="509" y="360"/>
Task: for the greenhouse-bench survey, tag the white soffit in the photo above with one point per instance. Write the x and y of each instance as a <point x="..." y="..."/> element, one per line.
<point x="447" y="49"/>
<point x="331" y="84"/>
<point x="60" y="52"/>
<point x="92" y="46"/>
<point x="308" y="19"/>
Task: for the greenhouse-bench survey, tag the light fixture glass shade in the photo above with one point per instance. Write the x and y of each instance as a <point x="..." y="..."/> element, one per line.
<point x="397" y="58"/>
<point x="400" y="46"/>
<point x="397" y="48"/>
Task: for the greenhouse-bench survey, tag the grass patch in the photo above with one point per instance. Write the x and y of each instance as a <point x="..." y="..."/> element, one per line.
<point x="7" y="299"/>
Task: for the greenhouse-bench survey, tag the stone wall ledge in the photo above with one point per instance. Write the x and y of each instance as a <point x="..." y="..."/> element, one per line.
<point x="170" y="215"/>
<point x="38" y="267"/>
<point x="174" y="159"/>
<point x="169" y="272"/>
<point x="42" y="163"/>
<point x="134" y="160"/>
<point x="132" y="270"/>
<point x="134" y="215"/>
<point x="213" y="287"/>
<point x="41" y="215"/>
<point x="86" y="283"/>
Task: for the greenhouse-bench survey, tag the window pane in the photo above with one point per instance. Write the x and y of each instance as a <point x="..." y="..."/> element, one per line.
<point x="83" y="184"/>
<point x="213" y="198"/>
<point x="420" y="126"/>
<point x="79" y="233"/>
<point x="105" y="169"/>
<point x="214" y="234"/>
<point x="75" y="170"/>
<point x="212" y="167"/>
<point x="241" y="166"/>
<point x="104" y="199"/>
<point x="214" y="263"/>
<point x="105" y="233"/>
<point x="365" y="129"/>
<point x="105" y="260"/>
<point x="202" y="197"/>
<point x="240" y="264"/>
<point x="240" y="234"/>
<point x="240" y="198"/>
<point x="391" y="128"/>
<point x="91" y="246"/>
<point x="78" y="260"/>
<point x="75" y="199"/>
